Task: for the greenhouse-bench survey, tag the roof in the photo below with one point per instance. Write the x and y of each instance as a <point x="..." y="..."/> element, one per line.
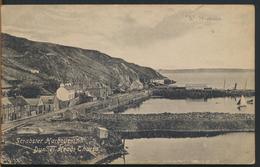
<point x="69" y="88"/>
<point x="71" y="111"/>
<point x="33" y="101"/>
<point x="101" y="128"/>
<point x="18" y="101"/>
<point x="6" y="101"/>
<point x="47" y="99"/>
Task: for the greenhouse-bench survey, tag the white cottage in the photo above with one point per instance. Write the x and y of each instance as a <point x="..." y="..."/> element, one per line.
<point x="65" y="92"/>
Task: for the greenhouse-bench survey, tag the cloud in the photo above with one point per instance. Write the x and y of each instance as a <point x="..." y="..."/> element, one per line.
<point x="173" y="26"/>
<point x="218" y="34"/>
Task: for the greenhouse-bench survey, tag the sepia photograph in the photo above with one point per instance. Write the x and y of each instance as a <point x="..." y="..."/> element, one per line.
<point x="128" y="84"/>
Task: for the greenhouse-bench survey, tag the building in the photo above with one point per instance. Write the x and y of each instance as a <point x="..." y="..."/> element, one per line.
<point x="99" y="92"/>
<point x="169" y="81"/>
<point x="21" y="107"/>
<point x="36" y="106"/>
<point x="48" y="103"/>
<point x="102" y="133"/>
<point x="33" y="71"/>
<point x="85" y="97"/>
<point x="177" y="86"/>
<point x="165" y="81"/>
<point x="65" y="92"/>
<point x="157" y="81"/>
<point x="7" y="110"/>
<point x="136" y="85"/>
<point x="5" y="87"/>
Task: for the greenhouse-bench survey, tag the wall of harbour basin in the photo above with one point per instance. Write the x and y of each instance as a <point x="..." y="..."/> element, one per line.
<point x="113" y="102"/>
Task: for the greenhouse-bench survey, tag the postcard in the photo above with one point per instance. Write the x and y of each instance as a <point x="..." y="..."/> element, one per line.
<point x="128" y="84"/>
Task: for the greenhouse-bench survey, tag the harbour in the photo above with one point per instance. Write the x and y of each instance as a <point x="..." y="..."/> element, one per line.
<point x="149" y="84"/>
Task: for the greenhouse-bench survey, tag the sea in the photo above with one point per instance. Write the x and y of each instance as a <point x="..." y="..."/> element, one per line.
<point x="231" y="148"/>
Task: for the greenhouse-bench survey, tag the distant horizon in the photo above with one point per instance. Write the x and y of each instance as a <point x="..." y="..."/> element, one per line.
<point x="206" y="68"/>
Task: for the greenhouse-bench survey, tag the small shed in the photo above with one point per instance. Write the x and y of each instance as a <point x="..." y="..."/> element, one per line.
<point x="102" y="133"/>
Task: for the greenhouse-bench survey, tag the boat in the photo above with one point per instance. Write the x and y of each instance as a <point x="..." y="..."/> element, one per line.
<point x="242" y="102"/>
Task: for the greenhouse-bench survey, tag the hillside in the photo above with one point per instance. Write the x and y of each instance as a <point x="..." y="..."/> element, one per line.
<point x="68" y="64"/>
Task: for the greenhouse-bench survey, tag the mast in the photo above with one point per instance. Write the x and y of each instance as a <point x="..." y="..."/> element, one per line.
<point x="224" y="83"/>
<point x="245" y="85"/>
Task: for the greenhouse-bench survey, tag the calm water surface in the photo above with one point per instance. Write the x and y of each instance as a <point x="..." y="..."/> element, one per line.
<point x="233" y="148"/>
<point x="161" y="105"/>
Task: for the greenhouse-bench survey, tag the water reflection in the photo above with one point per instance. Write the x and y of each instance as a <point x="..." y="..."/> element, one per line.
<point x="161" y="105"/>
<point x="232" y="148"/>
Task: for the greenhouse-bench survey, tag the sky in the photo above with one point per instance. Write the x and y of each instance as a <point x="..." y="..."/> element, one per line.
<point x="157" y="36"/>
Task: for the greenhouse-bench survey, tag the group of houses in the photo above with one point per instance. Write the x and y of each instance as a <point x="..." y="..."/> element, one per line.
<point x="67" y="95"/>
<point x="15" y="108"/>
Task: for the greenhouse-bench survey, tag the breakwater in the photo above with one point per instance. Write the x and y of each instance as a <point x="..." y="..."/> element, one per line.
<point x="160" y="133"/>
<point x="174" y="93"/>
<point x="172" y="124"/>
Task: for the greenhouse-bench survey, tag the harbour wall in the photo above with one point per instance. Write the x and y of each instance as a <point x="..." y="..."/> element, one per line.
<point x="196" y="94"/>
<point x="173" y="124"/>
<point x="115" y="102"/>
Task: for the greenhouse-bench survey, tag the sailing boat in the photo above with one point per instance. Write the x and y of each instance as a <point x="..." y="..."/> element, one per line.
<point x="251" y="101"/>
<point x="242" y="102"/>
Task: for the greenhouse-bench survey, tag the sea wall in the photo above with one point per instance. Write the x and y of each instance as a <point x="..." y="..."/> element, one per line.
<point x="205" y="93"/>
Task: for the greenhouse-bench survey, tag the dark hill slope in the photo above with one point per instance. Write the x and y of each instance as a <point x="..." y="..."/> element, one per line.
<point x="67" y="64"/>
